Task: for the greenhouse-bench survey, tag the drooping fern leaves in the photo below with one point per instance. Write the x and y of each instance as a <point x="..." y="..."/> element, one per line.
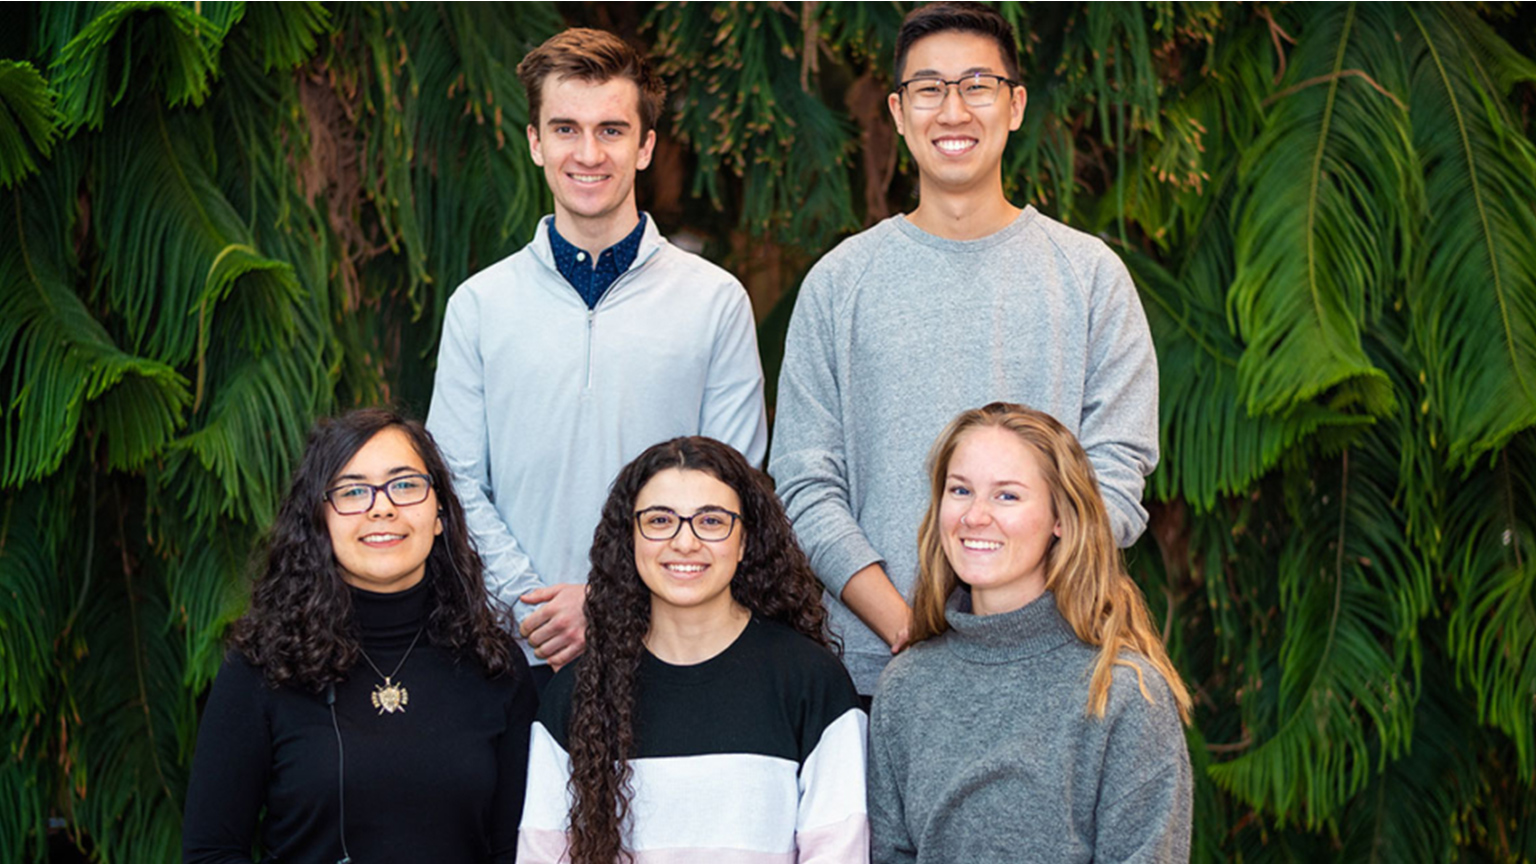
<point x="1472" y="300"/>
<point x="1317" y="220"/>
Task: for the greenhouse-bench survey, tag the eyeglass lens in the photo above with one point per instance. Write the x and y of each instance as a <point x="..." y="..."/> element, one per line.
<point x="978" y="91"/>
<point x="354" y="498"/>
<point x="708" y="525"/>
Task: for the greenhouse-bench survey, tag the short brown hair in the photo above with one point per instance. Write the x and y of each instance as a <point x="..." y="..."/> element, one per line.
<point x="596" y="56"/>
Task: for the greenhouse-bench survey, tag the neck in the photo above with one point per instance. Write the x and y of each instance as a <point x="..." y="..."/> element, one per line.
<point x="684" y="637"/>
<point x="964" y="215"/>
<point x="597" y="233"/>
<point x="996" y="601"/>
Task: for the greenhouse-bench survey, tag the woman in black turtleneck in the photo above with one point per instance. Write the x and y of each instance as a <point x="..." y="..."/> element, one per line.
<point x="373" y="707"/>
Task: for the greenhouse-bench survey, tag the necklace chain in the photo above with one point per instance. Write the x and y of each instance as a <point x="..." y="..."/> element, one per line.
<point x="403" y="657"/>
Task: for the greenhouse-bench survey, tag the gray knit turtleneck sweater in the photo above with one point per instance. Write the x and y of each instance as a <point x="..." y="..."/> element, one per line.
<point x="981" y="750"/>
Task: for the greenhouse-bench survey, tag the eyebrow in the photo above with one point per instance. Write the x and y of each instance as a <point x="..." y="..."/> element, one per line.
<point x="934" y="73"/>
<point x="962" y="478"/>
<point x="400" y="469"/>
<point x="567" y="121"/>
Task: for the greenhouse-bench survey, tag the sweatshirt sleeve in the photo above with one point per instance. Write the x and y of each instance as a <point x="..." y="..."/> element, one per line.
<point x="230" y="770"/>
<point x="1146" y="793"/>
<point x="733" y="394"/>
<point x="1118" y="427"/>
<point x="809" y="462"/>
<point x="512" y="763"/>
<point x="832" y="826"/>
<point x="457" y="421"/>
<point x="890" y="842"/>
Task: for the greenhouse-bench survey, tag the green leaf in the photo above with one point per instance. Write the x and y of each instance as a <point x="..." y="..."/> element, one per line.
<point x="1472" y="298"/>
<point x="61" y="360"/>
<point x="160" y="47"/>
<point x="1316" y="223"/>
<point x="28" y="120"/>
<point x="1351" y="600"/>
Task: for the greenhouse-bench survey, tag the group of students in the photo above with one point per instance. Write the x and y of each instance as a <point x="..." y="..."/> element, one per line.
<point x="698" y="643"/>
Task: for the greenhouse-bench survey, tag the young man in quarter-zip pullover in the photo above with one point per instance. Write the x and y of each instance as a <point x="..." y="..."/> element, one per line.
<point x="966" y="300"/>
<point x="563" y="362"/>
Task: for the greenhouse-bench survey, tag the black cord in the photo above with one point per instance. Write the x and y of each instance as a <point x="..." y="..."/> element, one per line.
<point x="341" y="775"/>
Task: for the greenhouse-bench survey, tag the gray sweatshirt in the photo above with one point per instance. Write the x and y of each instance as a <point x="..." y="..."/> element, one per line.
<point x="981" y="751"/>
<point x="896" y="331"/>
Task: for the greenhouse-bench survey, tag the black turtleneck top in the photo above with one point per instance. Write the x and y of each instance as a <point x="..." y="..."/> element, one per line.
<point x="440" y="781"/>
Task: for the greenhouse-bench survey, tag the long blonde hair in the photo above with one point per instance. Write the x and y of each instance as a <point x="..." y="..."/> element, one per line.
<point x="1083" y="568"/>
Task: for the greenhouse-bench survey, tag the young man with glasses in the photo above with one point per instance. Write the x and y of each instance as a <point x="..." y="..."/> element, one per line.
<point x="966" y="300"/>
<point x="561" y="363"/>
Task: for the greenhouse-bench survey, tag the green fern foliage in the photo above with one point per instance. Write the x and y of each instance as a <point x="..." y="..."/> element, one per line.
<point x="220" y="221"/>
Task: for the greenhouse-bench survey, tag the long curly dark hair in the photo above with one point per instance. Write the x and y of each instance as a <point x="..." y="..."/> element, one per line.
<point x="773" y="580"/>
<point x="299" y="629"/>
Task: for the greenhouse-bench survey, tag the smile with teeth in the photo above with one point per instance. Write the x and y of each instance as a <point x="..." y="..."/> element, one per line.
<point x="685" y="569"/>
<point x="982" y="545"/>
<point x="955" y="145"/>
<point x="588" y="178"/>
<point x="382" y="539"/>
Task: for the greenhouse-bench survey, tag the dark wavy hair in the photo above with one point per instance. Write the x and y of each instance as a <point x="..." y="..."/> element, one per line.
<point x="299" y="629"/>
<point x="773" y="581"/>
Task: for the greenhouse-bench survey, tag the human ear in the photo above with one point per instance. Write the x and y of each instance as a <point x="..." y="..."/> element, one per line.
<point x="893" y="102"/>
<point x="534" y="147"/>
<point x="1017" y="101"/>
<point x="647" y="149"/>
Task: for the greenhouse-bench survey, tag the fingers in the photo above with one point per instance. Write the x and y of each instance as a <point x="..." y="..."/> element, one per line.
<point x="536" y="619"/>
<point x="570" y="653"/>
<point x="540" y="595"/>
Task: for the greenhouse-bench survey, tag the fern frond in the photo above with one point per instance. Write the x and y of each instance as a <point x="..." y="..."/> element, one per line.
<point x="1472" y="298"/>
<point x="29" y="123"/>
<point x="160" y="47"/>
<point x="1317" y="220"/>
<point x="1351" y="599"/>
<point x="61" y="360"/>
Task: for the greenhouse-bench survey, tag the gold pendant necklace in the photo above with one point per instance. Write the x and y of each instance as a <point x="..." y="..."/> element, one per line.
<point x="391" y="696"/>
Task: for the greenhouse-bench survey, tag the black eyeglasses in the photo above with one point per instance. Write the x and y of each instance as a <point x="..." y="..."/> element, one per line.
<point x="710" y="524"/>
<point x="977" y="91"/>
<point x="350" y="499"/>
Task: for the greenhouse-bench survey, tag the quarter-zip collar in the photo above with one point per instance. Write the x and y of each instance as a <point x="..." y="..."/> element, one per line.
<point x="651" y="242"/>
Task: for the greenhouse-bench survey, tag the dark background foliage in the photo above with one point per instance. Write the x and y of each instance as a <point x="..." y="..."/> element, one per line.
<point x="221" y="220"/>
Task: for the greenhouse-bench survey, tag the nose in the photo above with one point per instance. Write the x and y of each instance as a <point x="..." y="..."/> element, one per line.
<point x="953" y="109"/>
<point x="686" y="540"/>
<point x="977" y="514"/>
<point x="587" y="151"/>
<point x="382" y="508"/>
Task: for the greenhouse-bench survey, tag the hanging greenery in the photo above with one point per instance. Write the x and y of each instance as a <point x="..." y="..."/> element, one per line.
<point x="222" y="220"/>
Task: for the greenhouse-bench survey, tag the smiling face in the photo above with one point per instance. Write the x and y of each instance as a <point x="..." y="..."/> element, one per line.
<point x="996" y="520"/>
<point x="589" y="142"/>
<point x="958" y="149"/>
<point x="686" y="573"/>
<point x="385" y="548"/>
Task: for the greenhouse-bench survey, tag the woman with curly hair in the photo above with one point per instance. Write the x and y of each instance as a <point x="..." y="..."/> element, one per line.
<point x="1036" y="715"/>
<point x="372" y="702"/>
<point x="708" y="719"/>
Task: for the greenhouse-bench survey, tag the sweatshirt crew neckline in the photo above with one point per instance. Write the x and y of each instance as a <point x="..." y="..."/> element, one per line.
<point x="1034" y="630"/>
<point x="980" y="244"/>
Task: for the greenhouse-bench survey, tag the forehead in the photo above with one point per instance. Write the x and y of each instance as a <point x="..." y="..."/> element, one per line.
<point x="952" y="53"/>
<point x="991" y="451"/>
<point x="685" y="491"/>
<point x="387" y="450"/>
<point x="593" y="103"/>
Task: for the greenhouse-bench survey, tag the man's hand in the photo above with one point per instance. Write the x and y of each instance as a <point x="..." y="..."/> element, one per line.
<point x="880" y="606"/>
<point x="557" y="630"/>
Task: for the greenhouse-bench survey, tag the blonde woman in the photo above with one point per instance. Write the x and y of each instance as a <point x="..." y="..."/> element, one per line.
<point x="1036" y="716"/>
